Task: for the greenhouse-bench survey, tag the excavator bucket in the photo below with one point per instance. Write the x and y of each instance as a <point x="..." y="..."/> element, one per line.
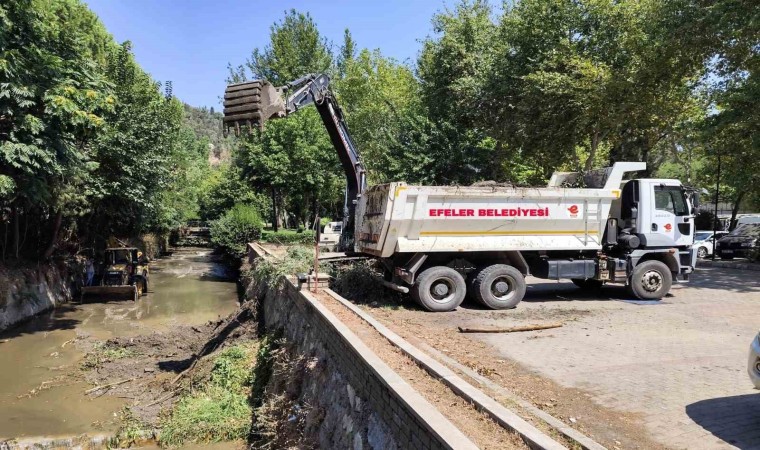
<point x="250" y="104"/>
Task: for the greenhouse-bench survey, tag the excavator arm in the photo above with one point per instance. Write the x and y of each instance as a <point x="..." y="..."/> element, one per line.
<point x="252" y="103"/>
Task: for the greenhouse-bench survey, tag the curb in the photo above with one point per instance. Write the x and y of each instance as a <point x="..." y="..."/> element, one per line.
<point x="534" y="437"/>
<point x="729" y="265"/>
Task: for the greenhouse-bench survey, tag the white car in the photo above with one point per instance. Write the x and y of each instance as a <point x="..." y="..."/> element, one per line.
<point x="754" y="361"/>
<point x="703" y="242"/>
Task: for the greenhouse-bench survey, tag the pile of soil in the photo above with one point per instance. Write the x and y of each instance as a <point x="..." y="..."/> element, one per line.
<point x="151" y="370"/>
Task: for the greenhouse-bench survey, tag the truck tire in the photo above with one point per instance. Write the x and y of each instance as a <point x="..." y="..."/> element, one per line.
<point x="439" y="289"/>
<point x="650" y="280"/>
<point x="499" y="286"/>
<point x="702" y="252"/>
<point x="588" y="284"/>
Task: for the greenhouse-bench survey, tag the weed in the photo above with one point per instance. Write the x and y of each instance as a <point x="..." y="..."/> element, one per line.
<point x="105" y="352"/>
<point x="297" y="259"/>
<point x="217" y="408"/>
<point x="130" y="430"/>
<point x="358" y="282"/>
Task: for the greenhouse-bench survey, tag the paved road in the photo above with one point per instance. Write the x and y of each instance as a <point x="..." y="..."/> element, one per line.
<point x="680" y="363"/>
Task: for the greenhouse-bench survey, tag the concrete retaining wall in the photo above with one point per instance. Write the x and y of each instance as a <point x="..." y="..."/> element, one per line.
<point x="366" y="404"/>
<point x="29" y="291"/>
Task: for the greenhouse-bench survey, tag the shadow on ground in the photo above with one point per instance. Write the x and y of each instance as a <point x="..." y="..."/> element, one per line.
<point x="735" y="420"/>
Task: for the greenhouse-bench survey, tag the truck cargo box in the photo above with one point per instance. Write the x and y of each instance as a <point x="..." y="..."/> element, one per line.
<point x="397" y="217"/>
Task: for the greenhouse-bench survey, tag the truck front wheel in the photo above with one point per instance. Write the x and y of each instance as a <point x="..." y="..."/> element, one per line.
<point x="499" y="286"/>
<point x="651" y="280"/>
<point x="439" y="289"/>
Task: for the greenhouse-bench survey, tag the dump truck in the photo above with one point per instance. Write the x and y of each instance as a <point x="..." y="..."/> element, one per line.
<point x="123" y="272"/>
<point x="443" y="243"/>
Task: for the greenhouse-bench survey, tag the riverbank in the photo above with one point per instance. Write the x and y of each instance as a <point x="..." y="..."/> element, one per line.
<point x="44" y="393"/>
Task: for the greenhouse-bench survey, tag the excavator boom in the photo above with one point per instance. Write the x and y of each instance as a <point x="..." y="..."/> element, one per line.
<point x="251" y="104"/>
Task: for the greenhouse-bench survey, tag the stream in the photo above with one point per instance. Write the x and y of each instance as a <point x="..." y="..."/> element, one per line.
<point x="42" y="393"/>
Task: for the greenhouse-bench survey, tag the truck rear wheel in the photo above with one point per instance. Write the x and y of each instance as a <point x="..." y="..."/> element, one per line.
<point x="439" y="289"/>
<point x="650" y="280"/>
<point x="499" y="286"/>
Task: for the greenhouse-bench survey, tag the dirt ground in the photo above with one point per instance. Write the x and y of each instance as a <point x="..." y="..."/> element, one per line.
<point x="145" y="369"/>
<point x="612" y="428"/>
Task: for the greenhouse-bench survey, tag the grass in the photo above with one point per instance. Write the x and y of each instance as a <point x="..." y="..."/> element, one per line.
<point x="216" y="408"/>
<point x="103" y="353"/>
<point x="130" y="432"/>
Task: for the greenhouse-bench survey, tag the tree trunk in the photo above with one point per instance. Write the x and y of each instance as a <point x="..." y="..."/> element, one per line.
<point x="275" y="217"/>
<point x="54" y="236"/>
<point x="592" y="152"/>
<point x="15" y="229"/>
<point x="735" y="209"/>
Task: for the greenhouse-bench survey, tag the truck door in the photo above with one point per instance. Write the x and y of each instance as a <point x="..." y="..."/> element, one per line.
<point x="671" y="216"/>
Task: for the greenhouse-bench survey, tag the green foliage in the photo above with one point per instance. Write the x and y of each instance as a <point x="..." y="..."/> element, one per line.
<point x="295" y="49"/>
<point x="240" y="225"/>
<point x="89" y="145"/>
<point x="298" y="259"/>
<point x="104" y="353"/>
<point x="705" y="220"/>
<point x="288" y="237"/>
<point x="217" y="409"/>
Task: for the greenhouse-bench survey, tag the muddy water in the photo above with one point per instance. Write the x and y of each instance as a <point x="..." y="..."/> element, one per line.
<point x="41" y="390"/>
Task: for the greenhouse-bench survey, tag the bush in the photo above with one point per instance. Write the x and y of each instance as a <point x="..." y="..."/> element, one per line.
<point x="287" y="237"/>
<point x="237" y="227"/>
<point x="705" y="220"/>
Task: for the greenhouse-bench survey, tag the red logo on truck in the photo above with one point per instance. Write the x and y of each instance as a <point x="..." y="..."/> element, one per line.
<point x="668" y="227"/>
<point x="573" y="210"/>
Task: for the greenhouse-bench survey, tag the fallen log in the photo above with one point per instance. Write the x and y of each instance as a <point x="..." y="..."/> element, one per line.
<point x="109" y="385"/>
<point x="510" y="329"/>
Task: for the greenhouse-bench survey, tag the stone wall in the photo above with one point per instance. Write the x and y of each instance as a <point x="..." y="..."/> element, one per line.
<point x="25" y="292"/>
<point x="360" y="396"/>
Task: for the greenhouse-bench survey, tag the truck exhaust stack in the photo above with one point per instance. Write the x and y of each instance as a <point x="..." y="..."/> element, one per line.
<point x="250" y="104"/>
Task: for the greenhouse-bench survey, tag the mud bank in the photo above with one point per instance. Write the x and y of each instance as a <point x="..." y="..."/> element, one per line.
<point x="28" y="291"/>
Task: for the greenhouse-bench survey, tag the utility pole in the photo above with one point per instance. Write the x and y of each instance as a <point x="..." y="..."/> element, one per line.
<point x="715" y="219"/>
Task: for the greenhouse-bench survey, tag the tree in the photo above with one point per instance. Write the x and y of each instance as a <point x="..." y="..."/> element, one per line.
<point x="293" y="157"/>
<point x="52" y="100"/>
<point x="295" y="49"/>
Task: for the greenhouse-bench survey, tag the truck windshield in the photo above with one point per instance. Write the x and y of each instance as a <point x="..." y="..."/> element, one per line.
<point x="671" y="199"/>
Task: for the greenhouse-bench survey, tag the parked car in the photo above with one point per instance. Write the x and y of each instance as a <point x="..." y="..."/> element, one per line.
<point x="741" y="242"/>
<point x="703" y="242"/>
<point x="754" y="361"/>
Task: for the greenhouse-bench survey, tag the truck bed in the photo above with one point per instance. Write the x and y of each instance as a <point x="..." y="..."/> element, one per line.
<point x="400" y="218"/>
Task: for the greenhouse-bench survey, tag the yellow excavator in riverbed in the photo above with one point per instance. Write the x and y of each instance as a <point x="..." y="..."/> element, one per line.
<point x="123" y="273"/>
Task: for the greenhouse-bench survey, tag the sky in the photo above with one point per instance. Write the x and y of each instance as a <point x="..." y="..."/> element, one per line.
<point x="190" y="42"/>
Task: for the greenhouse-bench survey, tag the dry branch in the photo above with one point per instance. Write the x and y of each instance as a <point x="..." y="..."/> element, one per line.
<point x="511" y="329"/>
<point x="109" y="385"/>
